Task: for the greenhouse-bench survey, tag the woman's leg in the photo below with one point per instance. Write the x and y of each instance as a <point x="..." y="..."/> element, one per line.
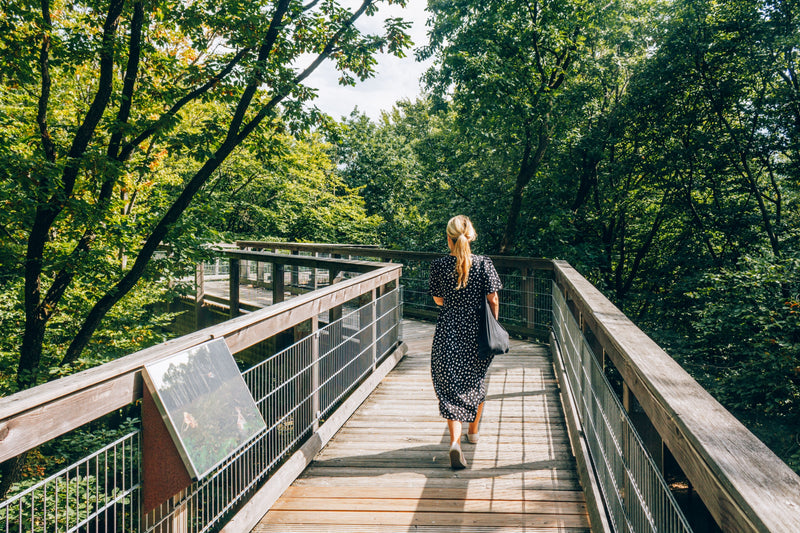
<point x="475" y="425"/>
<point x="457" y="461"/>
<point x="455" y="431"/>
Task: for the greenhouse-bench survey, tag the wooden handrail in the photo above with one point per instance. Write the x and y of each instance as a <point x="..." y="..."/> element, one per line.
<point x="37" y="415"/>
<point x="350" y="265"/>
<point x="502" y="261"/>
<point x="744" y="485"/>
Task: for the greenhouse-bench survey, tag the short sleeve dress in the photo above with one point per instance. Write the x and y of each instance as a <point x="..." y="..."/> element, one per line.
<point x="457" y="372"/>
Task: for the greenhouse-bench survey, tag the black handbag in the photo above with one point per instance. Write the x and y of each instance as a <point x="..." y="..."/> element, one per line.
<point x="492" y="337"/>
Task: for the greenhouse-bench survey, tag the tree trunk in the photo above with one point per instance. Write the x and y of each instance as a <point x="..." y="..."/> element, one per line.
<point x="10" y="471"/>
<point x="527" y="170"/>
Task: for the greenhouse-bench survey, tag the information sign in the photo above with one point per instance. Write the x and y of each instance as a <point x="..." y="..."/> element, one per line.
<point x="205" y="403"/>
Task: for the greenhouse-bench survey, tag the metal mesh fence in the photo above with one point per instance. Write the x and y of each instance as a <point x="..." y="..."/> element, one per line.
<point x="525" y="299"/>
<point x="99" y="493"/>
<point x="636" y="496"/>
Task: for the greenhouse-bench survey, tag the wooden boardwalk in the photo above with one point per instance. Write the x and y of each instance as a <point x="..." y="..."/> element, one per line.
<point x="387" y="469"/>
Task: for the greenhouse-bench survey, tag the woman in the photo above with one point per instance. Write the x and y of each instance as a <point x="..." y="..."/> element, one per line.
<point x="459" y="283"/>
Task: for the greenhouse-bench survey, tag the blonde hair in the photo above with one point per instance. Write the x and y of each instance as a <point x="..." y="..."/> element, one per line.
<point x="461" y="232"/>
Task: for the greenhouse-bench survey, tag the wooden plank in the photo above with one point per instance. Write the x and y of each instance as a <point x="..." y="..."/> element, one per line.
<point x="505" y="443"/>
<point x="420" y="518"/>
<point x="349" y="265"/>
<point x="359" y="456"/>
<point x="555" y="479"/>
<point x="496" y="464"/>
<point x="435" y="505"/>
<point x="367" y="528"/>
<point x="399" y="478"/>
<point x="469" y="492"/>
<point x="745" y="486"/>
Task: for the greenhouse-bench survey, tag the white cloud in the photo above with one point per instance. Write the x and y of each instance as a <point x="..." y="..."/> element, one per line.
<point x="394" y="80"/>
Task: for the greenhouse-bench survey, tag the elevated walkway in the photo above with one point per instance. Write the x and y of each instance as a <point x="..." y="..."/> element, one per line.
<point x="366" y="438"/>
<point x="387" y="469"/>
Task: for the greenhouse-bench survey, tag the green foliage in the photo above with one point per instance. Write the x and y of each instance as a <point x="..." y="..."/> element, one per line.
<point x="117" y="116"/>
<point x="381" y="161"/>
<point x="71" y="510"/>
<point x="291" y="193"/>
<point x="747" y="328"/>
<point x="90" y="478"/>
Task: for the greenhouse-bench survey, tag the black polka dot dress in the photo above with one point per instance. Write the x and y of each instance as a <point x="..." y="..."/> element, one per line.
<point x="457" y="372"/>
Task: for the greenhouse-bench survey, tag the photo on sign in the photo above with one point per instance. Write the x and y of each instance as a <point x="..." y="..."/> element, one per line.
<point x="205" y="404"/>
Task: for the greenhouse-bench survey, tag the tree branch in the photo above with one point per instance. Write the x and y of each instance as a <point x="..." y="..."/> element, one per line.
<point x="102" y="97"/>
<point x="263" y="55"/>
<point x="44" y="98"/>
<point x="130" y="146"/>
<point x="329" y="47"/>
<point x="129" y="83"/>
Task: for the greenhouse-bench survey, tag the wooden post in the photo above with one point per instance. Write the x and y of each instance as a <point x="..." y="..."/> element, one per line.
<point x="277" y="283"/>
<point x="367" y="316"/>
<point x="315" y="408"/>
<point x="334" y="314"/>
<point x="233" y="279"/>
<point x="260" y="274"/>
<point x="244" y="271"/>
<point x="332" y="273"/>
<point x="314" y="274"/>
<point x="626" y="398"/>
<point x="295" y="279"/>
<point x="528" y="287"/>
<point x="199" y="295"/>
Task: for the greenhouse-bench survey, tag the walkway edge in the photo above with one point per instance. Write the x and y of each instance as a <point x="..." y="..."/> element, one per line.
<point x="254" y="510"/>
<point x="594" y="499"/>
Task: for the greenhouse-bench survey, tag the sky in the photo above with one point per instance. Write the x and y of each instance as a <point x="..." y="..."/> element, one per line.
<point x="394" y="80"/>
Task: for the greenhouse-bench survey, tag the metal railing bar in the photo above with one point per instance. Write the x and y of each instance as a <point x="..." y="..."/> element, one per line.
<point x="65" y="471"/>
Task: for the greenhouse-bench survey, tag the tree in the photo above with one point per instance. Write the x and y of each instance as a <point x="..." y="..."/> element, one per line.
<point x="96" y="92"/>
<point x="97" y="133"/>
<point x="510" y="65"/>
<point x="382" y="161"/>
<point x="290" y="192"/>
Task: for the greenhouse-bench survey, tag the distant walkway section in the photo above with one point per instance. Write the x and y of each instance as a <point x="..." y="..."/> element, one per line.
<point x="387" y="469"/>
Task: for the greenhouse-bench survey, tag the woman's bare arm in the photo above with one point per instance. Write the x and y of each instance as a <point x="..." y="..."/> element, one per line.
<point x="439" y="300"/>
<point x="494" y="304"/>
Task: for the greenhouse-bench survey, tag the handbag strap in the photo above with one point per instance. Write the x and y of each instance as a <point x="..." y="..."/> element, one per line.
<point x="484" y="281"/>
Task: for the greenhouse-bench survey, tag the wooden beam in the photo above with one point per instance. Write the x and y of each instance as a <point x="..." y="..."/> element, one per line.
<point x="233" y="287"/>
<point x="745" y="486"/>
<point x="348" y="265"/>
<point x="384" y="254"/>
<point x="37" y="415"/>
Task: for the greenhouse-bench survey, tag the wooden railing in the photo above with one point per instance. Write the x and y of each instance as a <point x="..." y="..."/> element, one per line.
<point x="525" y="307"/>
<point x="40" y="414"/>
<point x="742" y="483"/>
